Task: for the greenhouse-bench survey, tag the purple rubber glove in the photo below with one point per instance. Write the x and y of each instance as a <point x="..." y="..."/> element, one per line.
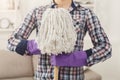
<point x="32" y="47"/>
<point x="74" y="59"/>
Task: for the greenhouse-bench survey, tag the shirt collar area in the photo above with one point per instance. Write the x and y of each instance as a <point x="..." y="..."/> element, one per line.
<point x="73" y="6"/>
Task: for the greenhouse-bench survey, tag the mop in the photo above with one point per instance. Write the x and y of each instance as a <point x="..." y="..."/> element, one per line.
<point x="56" y="34"/>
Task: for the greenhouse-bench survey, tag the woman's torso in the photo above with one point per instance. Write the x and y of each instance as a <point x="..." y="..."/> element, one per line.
<point x="44" y="69"/>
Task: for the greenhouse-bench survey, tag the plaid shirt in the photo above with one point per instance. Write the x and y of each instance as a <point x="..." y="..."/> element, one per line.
<point x="84" y="21"/>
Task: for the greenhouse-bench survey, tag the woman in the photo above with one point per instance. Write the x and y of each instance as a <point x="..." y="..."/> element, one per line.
<point x="85" y="21"/>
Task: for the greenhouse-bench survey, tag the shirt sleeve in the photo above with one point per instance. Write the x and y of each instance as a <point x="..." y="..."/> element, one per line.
<point x="101" y="46"/>
<point x="19" y="37"/>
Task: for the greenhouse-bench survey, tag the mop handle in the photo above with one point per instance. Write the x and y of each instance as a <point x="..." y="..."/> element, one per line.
<point x="56" y="70"/>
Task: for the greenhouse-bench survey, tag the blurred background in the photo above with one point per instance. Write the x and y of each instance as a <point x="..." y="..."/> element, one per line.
<point x="12" y="12"/>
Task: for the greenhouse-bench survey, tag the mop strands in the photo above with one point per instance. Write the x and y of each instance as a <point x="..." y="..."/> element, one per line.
<point x="57" y="32"/>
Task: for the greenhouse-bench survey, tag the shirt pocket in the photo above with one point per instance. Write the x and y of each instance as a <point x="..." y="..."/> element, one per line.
<point x="79" y="26"/>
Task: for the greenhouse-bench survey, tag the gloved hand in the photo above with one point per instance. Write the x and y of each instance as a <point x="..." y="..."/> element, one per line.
<point x="32" y="48"/>
<point x="74" y="59"/>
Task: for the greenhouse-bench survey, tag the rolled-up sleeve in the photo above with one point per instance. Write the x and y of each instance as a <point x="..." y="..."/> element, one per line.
<point x="101" y="46"/>
<point x="22" y="33"/>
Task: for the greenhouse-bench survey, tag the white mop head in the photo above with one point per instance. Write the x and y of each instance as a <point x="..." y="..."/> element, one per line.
<point x="57" y="33"/>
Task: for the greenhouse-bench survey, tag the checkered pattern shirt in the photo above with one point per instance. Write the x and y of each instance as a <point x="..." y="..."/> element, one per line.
<point x="84" y="21"/>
